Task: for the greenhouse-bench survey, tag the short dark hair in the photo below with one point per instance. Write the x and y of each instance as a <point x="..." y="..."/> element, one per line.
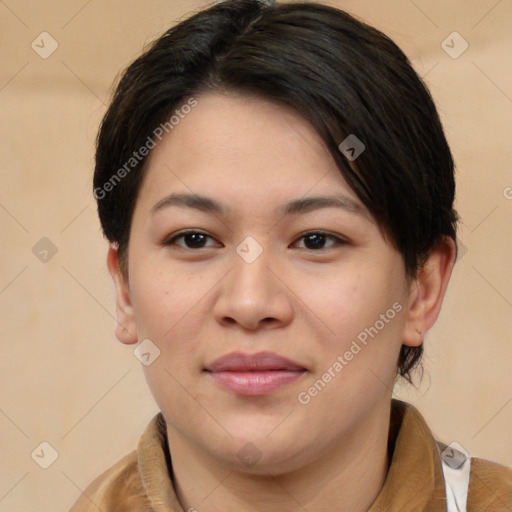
<point x="343" y="76"/>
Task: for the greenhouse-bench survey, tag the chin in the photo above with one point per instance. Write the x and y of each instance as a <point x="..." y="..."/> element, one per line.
<point x="252" y="451"/>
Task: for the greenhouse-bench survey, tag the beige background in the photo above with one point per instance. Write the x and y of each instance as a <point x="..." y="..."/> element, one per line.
<point x="67" y="381"/>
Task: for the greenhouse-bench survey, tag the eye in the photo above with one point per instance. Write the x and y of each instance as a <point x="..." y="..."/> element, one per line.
<point x="191" y="240"/>
<point x="316" y="240"/>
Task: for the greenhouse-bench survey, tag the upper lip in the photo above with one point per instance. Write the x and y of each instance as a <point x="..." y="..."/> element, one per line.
<point x="262" y="361"/>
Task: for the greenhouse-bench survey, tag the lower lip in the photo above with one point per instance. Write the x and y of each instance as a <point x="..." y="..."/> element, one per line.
<point x="256" y="383"/>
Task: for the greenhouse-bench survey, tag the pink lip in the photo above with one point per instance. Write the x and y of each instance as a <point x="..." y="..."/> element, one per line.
<point x="254" y="374"/>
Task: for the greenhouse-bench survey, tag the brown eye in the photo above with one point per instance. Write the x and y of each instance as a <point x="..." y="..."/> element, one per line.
<point x="191" y="240"/>
<point x="316" y="240"/>
<point x="194" y="240"/>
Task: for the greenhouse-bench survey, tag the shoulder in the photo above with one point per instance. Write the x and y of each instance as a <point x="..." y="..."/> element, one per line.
<point x="119" y="488"/>
<point x="490" y="486"/>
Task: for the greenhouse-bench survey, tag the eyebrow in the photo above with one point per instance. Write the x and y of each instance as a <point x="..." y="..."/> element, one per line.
<point x="196" y="201"/>
<point x="308" y="204"/>
<point x="294" y="207"/>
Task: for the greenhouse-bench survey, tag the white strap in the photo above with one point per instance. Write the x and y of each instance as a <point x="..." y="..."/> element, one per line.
<point x="456" y="470"/>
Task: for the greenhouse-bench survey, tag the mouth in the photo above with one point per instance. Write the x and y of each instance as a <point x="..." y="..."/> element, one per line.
<point x="254" y="374"/>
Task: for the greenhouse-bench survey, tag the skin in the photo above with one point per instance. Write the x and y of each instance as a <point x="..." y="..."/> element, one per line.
<point x="307" y="304"/>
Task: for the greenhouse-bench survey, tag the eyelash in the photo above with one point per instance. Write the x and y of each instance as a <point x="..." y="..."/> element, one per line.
<point x="337" y="240"/>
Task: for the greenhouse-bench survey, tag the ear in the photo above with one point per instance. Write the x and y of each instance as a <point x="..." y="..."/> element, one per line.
<point x="126" y="331"/>
<point x="427" y="291"/>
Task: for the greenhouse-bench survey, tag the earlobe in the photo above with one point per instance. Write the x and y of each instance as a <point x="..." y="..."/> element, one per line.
<point x="427" y="291"/>
<point x="126" y="331"/>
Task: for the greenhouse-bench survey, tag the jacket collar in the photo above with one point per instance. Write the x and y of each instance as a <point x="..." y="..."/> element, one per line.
<point x="415" y="479"/>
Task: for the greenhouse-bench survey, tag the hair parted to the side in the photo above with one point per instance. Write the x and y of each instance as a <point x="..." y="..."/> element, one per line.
<point x="340" y="74"/>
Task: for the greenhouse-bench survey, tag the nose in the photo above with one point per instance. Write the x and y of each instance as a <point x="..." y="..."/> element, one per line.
<point x="253" y="296"/>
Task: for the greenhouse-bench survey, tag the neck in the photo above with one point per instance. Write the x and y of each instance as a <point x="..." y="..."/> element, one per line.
<point x="349" y="474"/>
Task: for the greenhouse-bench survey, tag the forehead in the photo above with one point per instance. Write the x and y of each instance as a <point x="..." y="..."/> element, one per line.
<point x="235" y="145"/>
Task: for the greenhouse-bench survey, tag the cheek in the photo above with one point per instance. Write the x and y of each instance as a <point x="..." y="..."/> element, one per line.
<point x="165" y="300"/>
<point x="357" y="316"/>
<point x="356" y="363"/>
<point x="168" y="310"/>
<point x="349" y="299"/>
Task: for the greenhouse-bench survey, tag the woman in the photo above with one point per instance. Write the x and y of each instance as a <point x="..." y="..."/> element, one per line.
<point x="278" y="194"/>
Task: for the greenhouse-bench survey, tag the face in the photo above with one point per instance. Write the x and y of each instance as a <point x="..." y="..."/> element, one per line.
<point x="278" y="307"/>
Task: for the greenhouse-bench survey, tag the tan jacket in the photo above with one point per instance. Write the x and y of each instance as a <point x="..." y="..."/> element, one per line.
<point x="140" y="481"/>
